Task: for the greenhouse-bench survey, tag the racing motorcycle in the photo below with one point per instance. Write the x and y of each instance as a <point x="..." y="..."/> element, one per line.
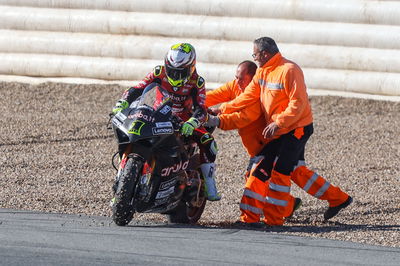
<point x="158" y="168"/>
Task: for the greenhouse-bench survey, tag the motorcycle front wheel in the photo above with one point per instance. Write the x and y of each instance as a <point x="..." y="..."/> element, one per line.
<point x="122" y="209"/>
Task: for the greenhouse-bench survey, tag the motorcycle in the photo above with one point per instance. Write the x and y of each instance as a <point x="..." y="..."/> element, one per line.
<point x="159" y="168"/>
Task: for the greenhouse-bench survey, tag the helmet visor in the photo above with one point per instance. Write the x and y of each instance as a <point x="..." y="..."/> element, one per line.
<point x="178" y="73"/>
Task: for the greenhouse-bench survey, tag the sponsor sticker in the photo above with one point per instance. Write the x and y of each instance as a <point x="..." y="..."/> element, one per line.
<point x="177" y="110"/>
<point x="160" y="201"/>
<point x="165" y="110"/>
<point x="162" y="130"/>
<point x="116" y="122"/>
<point x="174" y="168"/>
<point x="142" y="116"/>
<point x="165" y="193"/>
<point x="168" y="183"/>
<point x="136" y="127"/>
<point x="120" y="116"/>
<point x="163" y="124"/>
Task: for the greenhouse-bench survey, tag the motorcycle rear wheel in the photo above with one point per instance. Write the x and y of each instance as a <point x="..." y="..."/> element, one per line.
<point x="123" y="209"/>
<point x="186" y="214"/>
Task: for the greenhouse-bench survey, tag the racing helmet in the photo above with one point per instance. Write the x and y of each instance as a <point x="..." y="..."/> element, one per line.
<point x="180" y="63"/>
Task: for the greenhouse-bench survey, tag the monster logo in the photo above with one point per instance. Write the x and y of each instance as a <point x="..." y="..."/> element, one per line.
<point x="185" y="47"/>
<point x="136" y="127"/>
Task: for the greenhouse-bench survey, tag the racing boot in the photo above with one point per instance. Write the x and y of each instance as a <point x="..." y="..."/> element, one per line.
<point x="208" y="171"/>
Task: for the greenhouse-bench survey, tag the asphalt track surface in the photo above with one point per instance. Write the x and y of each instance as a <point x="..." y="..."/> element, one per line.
<point x="34" y="238"/>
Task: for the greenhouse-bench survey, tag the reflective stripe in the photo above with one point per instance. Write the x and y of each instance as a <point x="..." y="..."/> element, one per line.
<point x="274" y="86"/>
<point x="247" y="207"/>
<point x="277" y="202"/>
<point x="300" y="163"/>
<point x="253" y="195"/>
<point x="322" y="190"/>
<point x="276" y="159"/>
<point x="310" y="182"/>
<point x="279" y="188"/>
<point x="262" y="82"/>
<point x="254" y="161"/>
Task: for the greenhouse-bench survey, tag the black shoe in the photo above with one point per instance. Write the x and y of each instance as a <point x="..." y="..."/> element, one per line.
<point x="251" y="225"/>
<point x="297" y="204"/>
<point x="332" y="211"/>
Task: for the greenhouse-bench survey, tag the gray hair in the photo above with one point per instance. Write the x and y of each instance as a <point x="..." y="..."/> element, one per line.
<point x="267" y="44"/>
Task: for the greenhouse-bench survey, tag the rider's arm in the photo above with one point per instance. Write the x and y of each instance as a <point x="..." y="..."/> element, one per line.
<point x="134" y="92"/>
<point x="199" y="97"/>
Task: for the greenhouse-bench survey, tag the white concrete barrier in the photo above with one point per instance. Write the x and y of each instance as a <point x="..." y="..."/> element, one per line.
<point x="39" y="65"/>
<point x="127" y="69"/>
<point x="201" y="27"/>
<point x="345" y="11"/>
<point x="209" y="51"/>
<point x="116" y="39"/>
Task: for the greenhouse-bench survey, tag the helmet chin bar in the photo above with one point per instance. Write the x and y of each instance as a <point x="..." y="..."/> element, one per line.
<point x="176" y="83"/>
<point x="177" y="76"/>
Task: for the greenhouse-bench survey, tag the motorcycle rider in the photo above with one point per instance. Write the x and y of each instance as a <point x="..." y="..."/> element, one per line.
<point x="187" y="91"/>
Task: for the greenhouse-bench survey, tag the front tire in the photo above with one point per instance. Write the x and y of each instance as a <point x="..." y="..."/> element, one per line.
<point x="122" y="208"/>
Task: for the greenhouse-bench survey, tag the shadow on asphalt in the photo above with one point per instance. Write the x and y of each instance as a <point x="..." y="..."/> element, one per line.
<point x="324" y="227"/>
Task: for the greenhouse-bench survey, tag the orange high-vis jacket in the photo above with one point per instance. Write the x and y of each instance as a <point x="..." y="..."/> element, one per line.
<point x="279" y="86"/>
<point x="250" y="122"/>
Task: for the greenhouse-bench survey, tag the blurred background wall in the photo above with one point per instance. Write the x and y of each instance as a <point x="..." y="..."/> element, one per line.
<point x="342" y="45"/>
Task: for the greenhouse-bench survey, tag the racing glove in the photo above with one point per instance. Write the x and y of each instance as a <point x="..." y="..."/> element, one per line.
<point x="119" y="106"/>
<point x="189" y="126"/>
<point x="212" y="121"/>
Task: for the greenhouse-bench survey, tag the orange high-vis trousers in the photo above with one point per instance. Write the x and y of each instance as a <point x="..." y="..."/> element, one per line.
<point x="254" y="199"/>
<point x="281" y="162"/>
<point x="256" y="191"/>
<point x="277" y="200"/>
<point x="317" y="186"/>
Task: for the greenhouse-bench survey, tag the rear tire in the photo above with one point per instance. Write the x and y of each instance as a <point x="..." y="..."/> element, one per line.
<point x="123" y="209"/>
<point x="186" y="214"/>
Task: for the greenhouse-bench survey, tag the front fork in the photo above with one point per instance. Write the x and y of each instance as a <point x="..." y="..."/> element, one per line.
<point x="122" y="159"/>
